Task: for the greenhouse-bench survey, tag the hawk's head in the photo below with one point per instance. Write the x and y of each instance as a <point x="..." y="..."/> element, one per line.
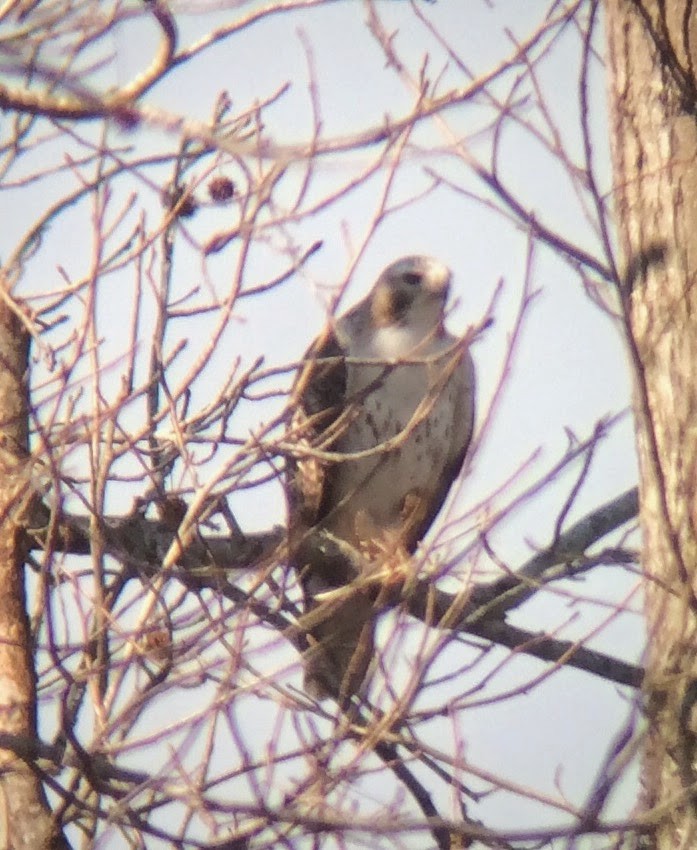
<point x="412" y="290"/>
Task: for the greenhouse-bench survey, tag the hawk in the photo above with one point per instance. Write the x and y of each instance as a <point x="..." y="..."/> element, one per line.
<point x="383" y="412"/>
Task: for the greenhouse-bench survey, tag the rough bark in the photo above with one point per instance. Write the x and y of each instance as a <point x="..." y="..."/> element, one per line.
<point x="25" y="820"/>
<point x="654" y="129"/>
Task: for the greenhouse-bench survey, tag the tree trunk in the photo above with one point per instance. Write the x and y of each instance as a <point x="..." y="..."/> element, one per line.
<point x="25" y="821"/>
<point x="652" y="52"/>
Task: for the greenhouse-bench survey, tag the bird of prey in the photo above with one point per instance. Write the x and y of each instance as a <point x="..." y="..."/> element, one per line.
<point x="383" y="412"/>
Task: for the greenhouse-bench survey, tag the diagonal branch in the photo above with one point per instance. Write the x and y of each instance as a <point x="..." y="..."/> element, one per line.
<point x="140" y="544"/>
<point x="563" y="559"/>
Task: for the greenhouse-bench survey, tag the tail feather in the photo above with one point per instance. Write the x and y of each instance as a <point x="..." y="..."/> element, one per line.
<point x="342" y="648"/>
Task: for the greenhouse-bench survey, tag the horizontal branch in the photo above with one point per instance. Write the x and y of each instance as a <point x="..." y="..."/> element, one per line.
<point x="141" y="545"/>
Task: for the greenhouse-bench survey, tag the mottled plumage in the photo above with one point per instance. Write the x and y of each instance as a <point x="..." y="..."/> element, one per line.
<point x="388" y="381"/>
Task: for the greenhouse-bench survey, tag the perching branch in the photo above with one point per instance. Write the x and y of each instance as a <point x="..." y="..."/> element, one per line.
<point x="140" y="544"/>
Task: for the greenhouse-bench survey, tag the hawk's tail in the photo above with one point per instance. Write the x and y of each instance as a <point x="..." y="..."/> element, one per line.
<point x="341" y="648"/>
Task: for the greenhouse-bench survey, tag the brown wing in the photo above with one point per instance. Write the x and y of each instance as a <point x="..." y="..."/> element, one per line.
<point x="341" y="638"/>
<point x="318" y="399"/>
<point x="462" y="387"/>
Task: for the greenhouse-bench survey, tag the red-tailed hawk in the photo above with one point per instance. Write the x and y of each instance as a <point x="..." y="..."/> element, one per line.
<point x="383" y="410"/>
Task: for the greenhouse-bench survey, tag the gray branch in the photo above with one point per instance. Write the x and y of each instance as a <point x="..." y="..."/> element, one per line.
<point x="141" y="544"/>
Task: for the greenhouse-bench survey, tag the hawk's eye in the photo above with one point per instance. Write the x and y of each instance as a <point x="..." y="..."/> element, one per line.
<point x="412" y="278"/>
